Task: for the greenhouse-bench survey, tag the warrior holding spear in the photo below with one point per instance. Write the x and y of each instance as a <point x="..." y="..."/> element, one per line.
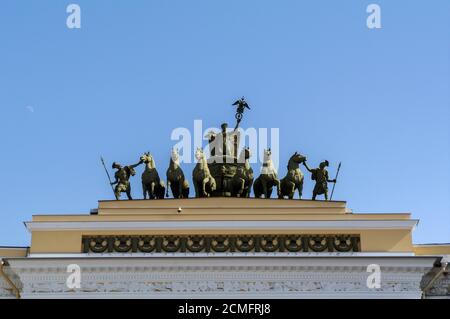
<point x="122" y="178"/>
<point x="320" y="175"/>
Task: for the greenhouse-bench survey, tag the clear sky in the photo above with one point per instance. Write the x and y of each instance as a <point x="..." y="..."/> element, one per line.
<point x="376" y="99"/>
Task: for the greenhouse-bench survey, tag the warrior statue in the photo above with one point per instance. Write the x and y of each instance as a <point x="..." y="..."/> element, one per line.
<point x="241" y="106"/>
<point x="222" y="144"/>
<point x="152" y="185"/>
<point x="267" y="179"/>
<point x="320" y="175"/>
<point x="122" y="177"/>
<point x="175" y="178"/>
<point x="204" y="182"/>
<point x="294" y="177"/>
<point x="243" y="179"/>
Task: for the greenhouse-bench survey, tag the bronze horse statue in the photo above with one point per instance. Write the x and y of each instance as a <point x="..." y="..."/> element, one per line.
<point x="294" y="177"/>
<point x="267" y="179"/>
<point x="151" y="183"/>
<point x="242" y="181"/>
<point x="204" y="182"/>
<point x="176" y="181"/>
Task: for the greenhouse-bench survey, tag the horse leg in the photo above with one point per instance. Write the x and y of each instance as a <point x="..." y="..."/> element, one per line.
<point x="168" y="186"/>
<point x="246" y="192"/>
<point x="277" y="184"/>
<point x="196" y="189"/>
<point x="144" y="190"/>
<point x="173" y="188"/>
<point x="180" y="189"/>
<point x="162" y="191"/>
<point x="240" y="188"/>
<point x="185" y="189"/>
<point x="282" y="192"/>
<point x="205" y="180"/>
<point x="152" y="190"/>
<point x="257" y="188"/>
<point x="300" y="189"/>
<point x="265" y="189"/>
<point x="247" y="187"/>
<point x="292" y="191"/>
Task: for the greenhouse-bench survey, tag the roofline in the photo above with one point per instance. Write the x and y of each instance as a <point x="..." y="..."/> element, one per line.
<point x="331" y="214"/>
<point x="432" y="244"/>
<point x="209" y="198"/>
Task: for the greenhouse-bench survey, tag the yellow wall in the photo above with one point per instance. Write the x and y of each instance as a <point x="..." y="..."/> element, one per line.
<point x="56" y="242"/>
<point x="371" y="240"/>
<point x="13" y="252"/>
<point x="439" y="249"/>
<point x="386" y="240"/>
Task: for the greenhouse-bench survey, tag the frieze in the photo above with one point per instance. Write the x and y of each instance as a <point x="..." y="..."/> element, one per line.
<point x="220" y="243"/>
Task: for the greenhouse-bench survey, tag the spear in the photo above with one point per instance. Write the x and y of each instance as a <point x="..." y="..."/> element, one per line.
<point x="334" y="184"/>
<point x="107" y="173"/>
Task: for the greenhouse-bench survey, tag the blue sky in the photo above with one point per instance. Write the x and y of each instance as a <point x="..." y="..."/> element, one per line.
<point x="377" y="100"/>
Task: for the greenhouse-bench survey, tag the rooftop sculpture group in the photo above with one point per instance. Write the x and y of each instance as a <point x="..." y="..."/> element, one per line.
<point x="224" y="173"/>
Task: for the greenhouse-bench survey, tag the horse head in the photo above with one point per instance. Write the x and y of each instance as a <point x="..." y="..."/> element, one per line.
<point x="147" y="158"/>
<point x="298" y="158"/>
<point x="175" y="156"/>
<point x="267" y="155"/>
<point x="245" y="154"/>
<point x="210" y="135"/>
<point x="199" y="155"/>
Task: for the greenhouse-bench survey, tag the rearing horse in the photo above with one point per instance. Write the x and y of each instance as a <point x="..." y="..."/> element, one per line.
<point x="267" y="179"/>
<point x="151" y="183"/>
<point x="204" y="182"/>
<point x="294" y="177"/>
<point x="175" y="178"/>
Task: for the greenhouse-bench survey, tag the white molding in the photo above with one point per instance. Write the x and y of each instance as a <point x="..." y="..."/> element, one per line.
<point x="233" y="295"/>
<point x="223" y="262"/>
<point x="217" y="255"/>
<point x="224" y="225"/>
<point x="234" y="277"/>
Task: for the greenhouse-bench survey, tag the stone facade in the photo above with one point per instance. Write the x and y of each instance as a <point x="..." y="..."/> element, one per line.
<point x="221" y="277"/>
